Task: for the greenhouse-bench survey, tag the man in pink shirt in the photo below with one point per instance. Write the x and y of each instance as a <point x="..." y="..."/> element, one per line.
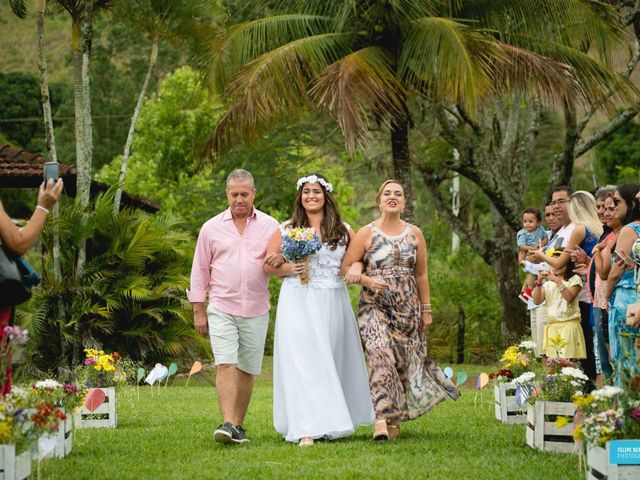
<point x="228" y="265"/>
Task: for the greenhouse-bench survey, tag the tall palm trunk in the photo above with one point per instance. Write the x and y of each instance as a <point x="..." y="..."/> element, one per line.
<point x="153" y="60"/>
<point x="86" y="98"/>
<point x="402" y="159"/>
<point x="52" y="155"/>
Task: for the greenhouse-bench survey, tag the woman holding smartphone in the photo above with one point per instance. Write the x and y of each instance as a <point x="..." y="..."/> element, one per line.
<point x="19" y="240"/>
<point x="621" y="289"/>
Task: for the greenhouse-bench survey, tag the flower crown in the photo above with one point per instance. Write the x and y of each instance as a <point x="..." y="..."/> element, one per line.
<point x="314" y="179"/>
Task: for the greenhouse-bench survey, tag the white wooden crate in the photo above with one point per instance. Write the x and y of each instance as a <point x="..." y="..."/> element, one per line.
<point x="599" y="468"/>
<point x="542" y="432"/>
<point x="507" y="409"/>
<point x="64" y="439"/>
<point x="104" y="416"/>
<point x="14" y="467"/>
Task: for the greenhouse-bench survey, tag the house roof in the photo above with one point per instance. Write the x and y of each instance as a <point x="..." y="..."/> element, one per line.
<point x="22" y="169"/>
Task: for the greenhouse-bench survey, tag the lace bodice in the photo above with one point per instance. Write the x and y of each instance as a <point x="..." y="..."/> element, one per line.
<point x="324" y="267"/>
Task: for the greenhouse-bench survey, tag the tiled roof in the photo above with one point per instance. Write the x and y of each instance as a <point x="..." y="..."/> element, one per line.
<point x="22" y="169"/>
<point x="15" y="162"/>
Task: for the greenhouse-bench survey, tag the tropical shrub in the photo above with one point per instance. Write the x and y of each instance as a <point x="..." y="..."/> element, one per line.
<point x="129" y="298"/>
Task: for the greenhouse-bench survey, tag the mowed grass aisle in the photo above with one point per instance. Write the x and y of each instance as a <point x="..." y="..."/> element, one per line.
<point x="169" y="436"/>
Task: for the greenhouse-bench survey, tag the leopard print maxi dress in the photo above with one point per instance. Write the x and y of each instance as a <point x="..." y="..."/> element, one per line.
<point x="404" y="382"/>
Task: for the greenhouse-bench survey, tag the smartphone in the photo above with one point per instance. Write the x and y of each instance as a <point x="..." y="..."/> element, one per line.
<point x="617" y="255"/>
<point x="51" y="171"/>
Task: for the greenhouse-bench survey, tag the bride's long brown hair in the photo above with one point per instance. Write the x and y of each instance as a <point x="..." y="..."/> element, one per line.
<point x="332" y="229"/>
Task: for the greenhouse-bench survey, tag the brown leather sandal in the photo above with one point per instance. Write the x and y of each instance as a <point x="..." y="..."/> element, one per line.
<point x="394" y="430"/>
<point x="380" y="431"/>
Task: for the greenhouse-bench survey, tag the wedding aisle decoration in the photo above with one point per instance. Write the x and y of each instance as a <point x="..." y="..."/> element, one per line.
<point x="608" y="427"/>
<point x="101" y="373"/>
<point x="23" y="422"/>
<point x="550" y="410"/>
<point x="517" y="360"/>
<point x="68" y="398"/>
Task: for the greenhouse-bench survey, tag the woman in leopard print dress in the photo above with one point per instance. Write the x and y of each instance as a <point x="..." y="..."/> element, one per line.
<point x="394" y="309"/>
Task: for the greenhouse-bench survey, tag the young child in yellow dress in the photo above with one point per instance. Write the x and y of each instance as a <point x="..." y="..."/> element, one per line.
<point x="560" y="289"/>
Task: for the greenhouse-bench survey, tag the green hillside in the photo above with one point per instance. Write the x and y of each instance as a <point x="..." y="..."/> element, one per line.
<point x="19" y="43"/>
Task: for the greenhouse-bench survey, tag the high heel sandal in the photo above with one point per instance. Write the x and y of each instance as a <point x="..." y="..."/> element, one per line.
<point x="394" y="430"/>
<point x="305" y="442"/>
<point x="380" y="431"/>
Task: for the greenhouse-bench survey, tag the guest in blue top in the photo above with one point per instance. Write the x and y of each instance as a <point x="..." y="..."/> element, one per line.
<point x="621" y="286"/>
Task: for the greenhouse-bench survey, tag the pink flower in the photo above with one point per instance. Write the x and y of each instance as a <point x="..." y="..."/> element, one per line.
<point x="635" y="414"/>
<point x="89" y="361"/>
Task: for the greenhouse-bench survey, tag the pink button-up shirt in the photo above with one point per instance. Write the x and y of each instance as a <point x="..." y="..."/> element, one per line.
<point x="229" y="265"/>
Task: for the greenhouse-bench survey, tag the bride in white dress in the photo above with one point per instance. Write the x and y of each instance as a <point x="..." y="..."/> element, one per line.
<point x="320" y="380"/>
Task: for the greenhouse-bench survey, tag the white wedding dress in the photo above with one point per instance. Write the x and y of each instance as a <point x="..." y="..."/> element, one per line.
<point x="320" y="381"/>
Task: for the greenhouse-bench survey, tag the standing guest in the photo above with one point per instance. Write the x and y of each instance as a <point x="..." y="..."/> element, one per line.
<point x="563" y="335"/>
<point x="580" y="212"/>
<point x="596" y="284"/>
<point x="320" y="387"/>
<point x="228" y="265"/>
<point x="531" y="237"/>
<point x="621" y="289"/>
<point x="537" y="315"/>
<point x="19" y="240"/>
<point x="394" y="309"/>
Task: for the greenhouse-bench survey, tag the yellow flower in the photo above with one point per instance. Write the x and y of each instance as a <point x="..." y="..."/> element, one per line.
<point x="5" y="432"/>
<point x="577" y="433"/>
<point x="562" y="421"/>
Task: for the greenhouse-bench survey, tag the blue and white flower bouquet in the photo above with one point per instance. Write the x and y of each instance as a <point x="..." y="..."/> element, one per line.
<point x="297" y="244"/>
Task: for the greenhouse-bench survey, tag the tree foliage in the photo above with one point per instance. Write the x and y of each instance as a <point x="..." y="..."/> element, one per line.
<point x="130" y="297"/>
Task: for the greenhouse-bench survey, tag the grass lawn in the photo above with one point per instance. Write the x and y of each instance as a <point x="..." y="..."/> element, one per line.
<point x="169" y="436"/>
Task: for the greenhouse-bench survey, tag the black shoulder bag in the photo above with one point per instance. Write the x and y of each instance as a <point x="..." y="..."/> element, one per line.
<point x="17" y="278"/>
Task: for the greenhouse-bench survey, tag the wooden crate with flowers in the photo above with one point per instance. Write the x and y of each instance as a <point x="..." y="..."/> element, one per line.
<point x="17" y="431"/>
<point x="23" y="422"/>
<point x="101" y="373"/>
<point x="17" y="434"/>
<point x="550" y="410"/>
<point x="67" y="397"/>
<point x="516" y="361"/>
<point x="607" y="419"/>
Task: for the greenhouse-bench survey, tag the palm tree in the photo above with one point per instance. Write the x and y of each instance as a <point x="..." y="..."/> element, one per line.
<point x="190" y="22"/>
<point x="361" y="61"/>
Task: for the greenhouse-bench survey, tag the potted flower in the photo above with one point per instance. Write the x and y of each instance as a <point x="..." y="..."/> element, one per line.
<point x="515" y="361"/>
<point x="65" y="396"/>
<point x="101" y="372"/>
<point x="550" y="410"/>
<point x="607" y="420"/>
<point x="22" y="422"/>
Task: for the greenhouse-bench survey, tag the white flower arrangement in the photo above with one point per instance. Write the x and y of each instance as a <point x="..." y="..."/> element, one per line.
<point x="574" y="372"/>
<point x="525" y="378"/>
<point x="527" y="344"/>
<point x="314" y="179"/>
<point x="607" y="391"/>
<point x="48" y="384"/>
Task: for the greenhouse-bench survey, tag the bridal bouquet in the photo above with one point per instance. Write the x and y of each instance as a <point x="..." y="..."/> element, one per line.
<point x="297" y="245"/>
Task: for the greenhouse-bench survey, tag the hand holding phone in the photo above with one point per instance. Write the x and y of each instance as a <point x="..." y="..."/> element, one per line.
<point x="51" y="172"/>
<point x="621" y="259"/>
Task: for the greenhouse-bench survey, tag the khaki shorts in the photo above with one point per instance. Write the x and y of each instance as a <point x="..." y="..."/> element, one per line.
<point x="238" y="340"/>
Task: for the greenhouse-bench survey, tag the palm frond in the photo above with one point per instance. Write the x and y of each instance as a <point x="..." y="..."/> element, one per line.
<point x="594" y="80"/>
<point x="357" y="85"/>
<point x="18" y="7"/>
<point x="276" y="83"/>
<point x="247" y="41"/>
<point x="535" y="76"/>
<point x="447" y="60"/>
<point x="581" y="24"/>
